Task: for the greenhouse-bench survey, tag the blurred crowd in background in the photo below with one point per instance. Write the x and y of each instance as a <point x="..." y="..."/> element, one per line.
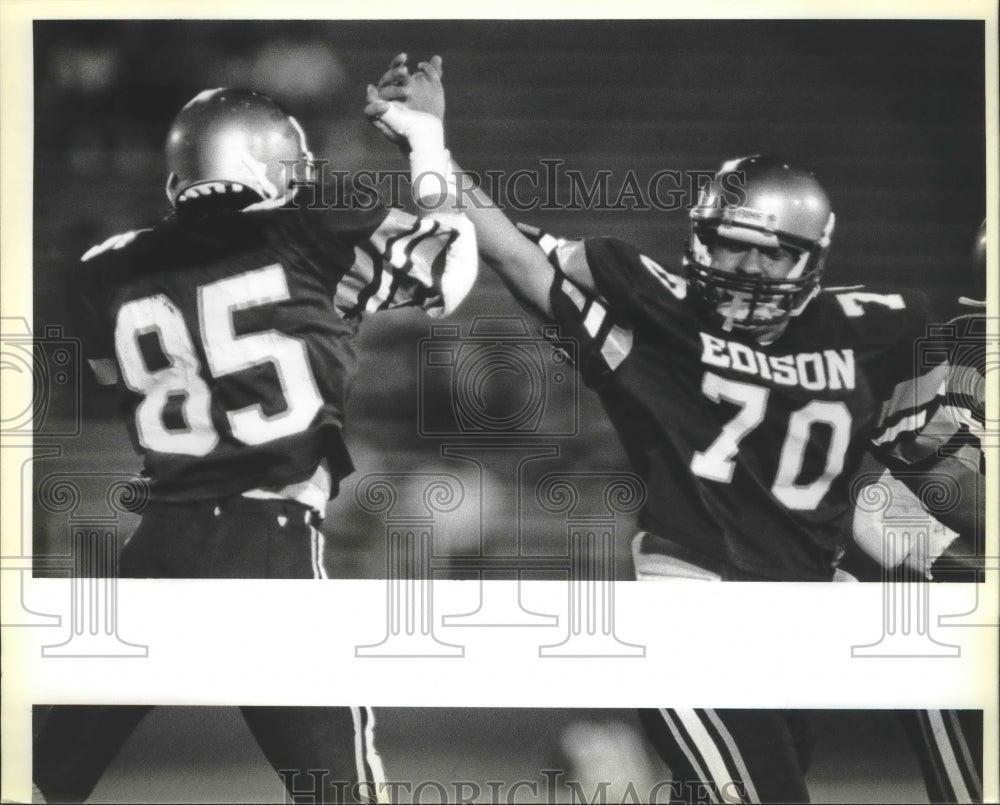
<point x="889" y="115"/>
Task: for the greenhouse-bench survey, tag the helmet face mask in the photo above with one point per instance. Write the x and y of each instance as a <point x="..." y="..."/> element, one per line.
<point x="762" y="203"/>
<point x="236" y="146"/>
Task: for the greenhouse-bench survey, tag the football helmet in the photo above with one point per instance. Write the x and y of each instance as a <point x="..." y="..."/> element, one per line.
<point x="765" y="202"/>
<point x="226" y="142"/>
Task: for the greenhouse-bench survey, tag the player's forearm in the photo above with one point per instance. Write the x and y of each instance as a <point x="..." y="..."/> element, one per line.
<point x="521" y="265"/>
<point x="432" y="183"/>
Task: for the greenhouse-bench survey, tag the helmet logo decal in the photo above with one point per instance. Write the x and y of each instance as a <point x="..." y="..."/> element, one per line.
<point x="748" y="216"/>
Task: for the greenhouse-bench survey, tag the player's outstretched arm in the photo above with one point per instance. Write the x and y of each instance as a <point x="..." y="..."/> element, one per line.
<point x="522" y="266"/>
<point x="420" y="134"/>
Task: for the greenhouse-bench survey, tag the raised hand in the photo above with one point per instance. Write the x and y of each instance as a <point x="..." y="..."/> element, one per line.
<point x="402" y="102"/>
<point x="420" y="90"/>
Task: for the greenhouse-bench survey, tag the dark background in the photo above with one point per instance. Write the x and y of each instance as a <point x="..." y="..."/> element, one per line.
<point x="206" y="754"/>
<point x="888" y="114"/>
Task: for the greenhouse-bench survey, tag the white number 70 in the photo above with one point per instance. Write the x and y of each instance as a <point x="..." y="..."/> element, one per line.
<point x="717" y="462"/>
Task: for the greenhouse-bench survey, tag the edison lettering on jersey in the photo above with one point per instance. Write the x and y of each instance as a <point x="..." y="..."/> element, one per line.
<point x="755" y="484"/>
<point x="814" y="371"/>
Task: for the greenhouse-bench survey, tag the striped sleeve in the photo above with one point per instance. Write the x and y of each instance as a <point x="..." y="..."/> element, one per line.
<point x="938" y="412"/>
<point x="604" y="342"/>
<point x="428" y="262"/>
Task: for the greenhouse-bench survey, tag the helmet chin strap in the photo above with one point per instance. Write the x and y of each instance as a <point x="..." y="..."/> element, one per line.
<point x="727" y="325"/>
<point x="764" y="333"/>
<point x="772" y="335"/>
<point x="812" y="295"/>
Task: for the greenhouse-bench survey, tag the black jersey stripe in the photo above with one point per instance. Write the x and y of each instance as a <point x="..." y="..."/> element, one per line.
<point x="369" y="772"/>
<point x="951" y="788"/>
<point x="437" y="270"/>
<point x="545" y="242"/>
<point x="730" y="751"/>
<point x="690" y="750"/>
<point x="415" y="240"/>
<point x="715" y="744"/>
<point x="716" y="755"/>
<point x="605" y="327"/>
<point x="914" y="394"/>
<point x="317" y="543"/>
<point x="393" y="239"/>
<point x="366" y="776"/>
<point x="907" y="427"/>
<point x="902" y="415"/>
<point x="946" y="757"/>
<point x="385" y="257"/>
<point x="713" y="753"/>
<point x="966" y="763"/>
<point x="374" y="284"/>
<point x="400" y="273"/>
<point x="934" y="780"/>
<point x="405" y="235"/>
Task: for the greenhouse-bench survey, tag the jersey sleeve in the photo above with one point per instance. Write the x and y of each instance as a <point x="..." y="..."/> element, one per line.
<point x="915" y="421"/>
<point x="429" y="262"/>
<point x="965" y="387"/>
<point x="602" y="327"/>
<point x="87" y="301"/>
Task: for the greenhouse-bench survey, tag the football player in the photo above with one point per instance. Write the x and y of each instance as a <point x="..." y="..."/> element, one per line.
<point x="948" y="743"/>
<point x="228" y="332"/>
<point x="947" y="555"/>
<point x="745" y="396"/>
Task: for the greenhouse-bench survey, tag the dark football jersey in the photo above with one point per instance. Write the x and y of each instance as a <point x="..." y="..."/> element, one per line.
<point x="747" y="449"/>
<point x="966" y="340"/>
<point x="231" y="337"/>
<point x="957" y="427"/>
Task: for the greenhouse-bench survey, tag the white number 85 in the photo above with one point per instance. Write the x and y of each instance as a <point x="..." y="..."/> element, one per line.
<point x="180" y="384"/>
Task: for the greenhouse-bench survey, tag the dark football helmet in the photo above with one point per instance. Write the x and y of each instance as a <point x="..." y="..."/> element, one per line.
<point x="238" y="143"/>
<point x="765" y="202"/>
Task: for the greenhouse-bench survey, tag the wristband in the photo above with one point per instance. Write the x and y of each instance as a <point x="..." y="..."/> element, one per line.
<point x="431" y="174"/>
<point x="432" y="178"/>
